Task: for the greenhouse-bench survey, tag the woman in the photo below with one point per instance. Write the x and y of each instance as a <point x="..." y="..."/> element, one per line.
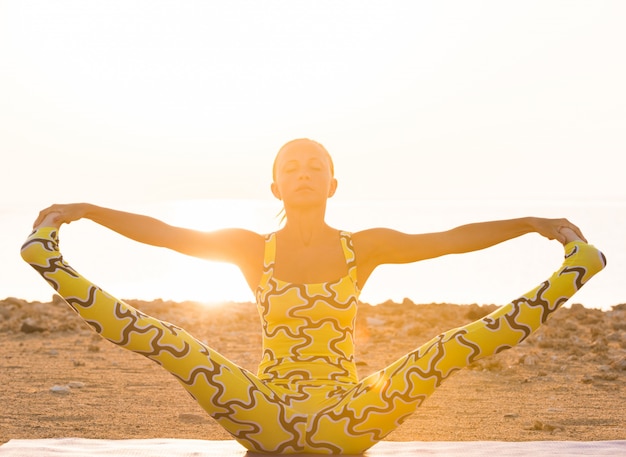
<point x="307" y="277"/>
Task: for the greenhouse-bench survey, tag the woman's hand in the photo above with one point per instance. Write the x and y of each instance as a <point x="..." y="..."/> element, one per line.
<point x="557" y="229"/>
<point x="61" y="214"/>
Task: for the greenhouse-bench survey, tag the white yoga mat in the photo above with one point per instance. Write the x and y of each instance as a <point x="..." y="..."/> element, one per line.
<point x="74" y="447"/>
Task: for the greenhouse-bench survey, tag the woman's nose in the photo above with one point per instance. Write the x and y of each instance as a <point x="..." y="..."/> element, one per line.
<point x="304" y="174"/>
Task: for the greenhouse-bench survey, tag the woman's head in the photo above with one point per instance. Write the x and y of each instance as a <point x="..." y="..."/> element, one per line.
<point x="300" y="144"/>
<point x="303" y="166"/>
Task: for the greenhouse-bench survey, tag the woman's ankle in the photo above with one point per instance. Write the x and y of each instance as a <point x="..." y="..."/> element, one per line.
<point x="41" y="244"/>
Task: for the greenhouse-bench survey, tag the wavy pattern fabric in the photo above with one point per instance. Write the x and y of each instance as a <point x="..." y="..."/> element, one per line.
<point x="306" y="396"/>
<point x="308" y="329"/>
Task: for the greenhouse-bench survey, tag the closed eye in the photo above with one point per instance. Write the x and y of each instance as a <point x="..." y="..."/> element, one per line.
<point x="315" y="164"/>
<point x="290" y="167"/>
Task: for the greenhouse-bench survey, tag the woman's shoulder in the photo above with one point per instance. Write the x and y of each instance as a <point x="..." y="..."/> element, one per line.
<point x="382" y="245"/>
<point x="369" y="239"/>
<point x="375" y="234"/>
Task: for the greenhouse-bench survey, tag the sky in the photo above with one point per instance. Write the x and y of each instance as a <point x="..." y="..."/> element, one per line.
<point x="126" y="103"/>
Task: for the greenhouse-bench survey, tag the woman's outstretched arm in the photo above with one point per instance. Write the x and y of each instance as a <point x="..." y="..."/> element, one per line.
<point x="383" y="246"/>
<point x="238" y="246"/>
<point x="143" y="229"/>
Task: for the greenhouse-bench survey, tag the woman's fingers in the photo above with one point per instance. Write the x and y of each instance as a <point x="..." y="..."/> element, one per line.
<point x="48" y="219"/>
<point x="53" y="214"/>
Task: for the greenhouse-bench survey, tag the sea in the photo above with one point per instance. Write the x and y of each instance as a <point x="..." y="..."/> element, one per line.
<point x="497" y="275"/>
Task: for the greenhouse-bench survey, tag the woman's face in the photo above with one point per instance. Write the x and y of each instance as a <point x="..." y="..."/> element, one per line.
<point x="303" y="174"/>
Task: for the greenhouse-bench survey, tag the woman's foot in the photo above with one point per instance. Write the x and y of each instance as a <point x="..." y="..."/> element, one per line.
<point x="42" y="240"/>
<point x="582" y="257"/>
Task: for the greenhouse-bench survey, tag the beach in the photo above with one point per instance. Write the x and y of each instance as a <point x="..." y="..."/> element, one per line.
<point x="565" y="382"/>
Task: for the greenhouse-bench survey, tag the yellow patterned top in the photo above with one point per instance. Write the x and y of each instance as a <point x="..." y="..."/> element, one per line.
<point x="308" y="329"/>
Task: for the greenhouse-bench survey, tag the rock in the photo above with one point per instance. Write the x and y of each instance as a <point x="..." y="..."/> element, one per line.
<point x="606" y="376"/>
<point x="546" y="427"/>
<point x="476" y="312"/>
<point x="29" y="326"/>
<point x="529" y="360"/>
<point x="614" y="337"/>
<point x="619" y="365"/>
<point x="60" y="390"/>
<point x="375" y="322"/>
<point x="5" y="313"/>
<point x="76" y="385"/>
<point x="58" y="300"/>
<point x="191" y="418"/>
<point x="18" y="303"/>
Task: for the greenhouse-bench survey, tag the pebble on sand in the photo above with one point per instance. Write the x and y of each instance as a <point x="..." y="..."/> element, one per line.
<point x="60" y="390"/>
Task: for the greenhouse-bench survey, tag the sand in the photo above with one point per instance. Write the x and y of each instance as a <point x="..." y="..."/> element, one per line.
<point x="59" y="379"/>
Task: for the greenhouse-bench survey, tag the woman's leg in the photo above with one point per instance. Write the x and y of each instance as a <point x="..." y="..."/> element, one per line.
<point x="248" y="409"/>
<point x="380" y="402"/>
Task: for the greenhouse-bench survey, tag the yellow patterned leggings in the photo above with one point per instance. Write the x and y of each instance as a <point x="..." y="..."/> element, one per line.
<point x="265" y="417"/>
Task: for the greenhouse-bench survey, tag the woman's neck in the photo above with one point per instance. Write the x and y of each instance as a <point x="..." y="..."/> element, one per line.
<point x="304" y="227"/>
